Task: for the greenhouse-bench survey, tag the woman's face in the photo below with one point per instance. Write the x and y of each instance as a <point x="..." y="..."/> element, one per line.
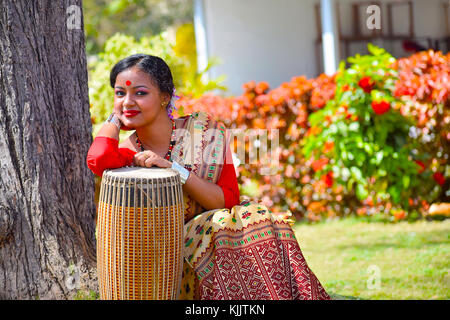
<point x="137" y="100"/>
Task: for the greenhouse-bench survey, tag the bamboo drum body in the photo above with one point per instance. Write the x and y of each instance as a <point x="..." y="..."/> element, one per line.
<point x="140" y="234"/>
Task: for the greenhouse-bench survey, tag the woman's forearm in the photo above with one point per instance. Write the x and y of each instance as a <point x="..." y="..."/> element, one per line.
<point x="109" y="130"/>
<point x="207" y="194"/>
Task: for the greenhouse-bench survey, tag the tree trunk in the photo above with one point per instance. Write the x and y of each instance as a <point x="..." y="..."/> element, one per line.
<point x="47" y="210"/>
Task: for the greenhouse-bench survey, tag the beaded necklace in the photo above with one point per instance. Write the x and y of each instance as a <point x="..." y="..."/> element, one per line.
<point x="172" y="142"/>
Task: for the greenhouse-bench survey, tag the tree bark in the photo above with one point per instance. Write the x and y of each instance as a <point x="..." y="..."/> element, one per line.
<point x="47" y="210"/>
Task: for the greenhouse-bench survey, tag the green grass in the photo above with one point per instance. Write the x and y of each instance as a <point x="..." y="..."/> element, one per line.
<point x="86" y="295"/>
<point x="412" y="259"/>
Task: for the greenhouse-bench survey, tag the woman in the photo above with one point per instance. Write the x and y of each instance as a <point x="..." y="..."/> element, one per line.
<point x="232" y="250"/>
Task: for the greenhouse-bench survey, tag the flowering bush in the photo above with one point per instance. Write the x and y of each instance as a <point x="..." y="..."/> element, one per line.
<point x="424" y="89"/>
<point x="372" y="152"/>
<point x="345" y="141"/>
<point x="286" y="109"/>
<point x="371" y="140"/>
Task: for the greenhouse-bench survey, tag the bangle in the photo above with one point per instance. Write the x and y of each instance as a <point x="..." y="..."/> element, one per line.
<point x="114" y="119"/>
<point x="184" y="173"/>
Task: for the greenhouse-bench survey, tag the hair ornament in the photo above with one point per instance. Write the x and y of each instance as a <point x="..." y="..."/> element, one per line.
<point x="171" y="105"/>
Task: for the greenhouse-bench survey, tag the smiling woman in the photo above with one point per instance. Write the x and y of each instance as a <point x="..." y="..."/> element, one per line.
<point x="232" y="250"/>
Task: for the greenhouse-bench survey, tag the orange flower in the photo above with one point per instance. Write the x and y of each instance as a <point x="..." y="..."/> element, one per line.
<point x="258" y="123"/>
<point x="345" y="87"/>
<point x="305" y="179"/>
<point x="316" y="206"/>
<point x="249" y="86"/>
<point x="262" y="100"/>
<point x="261" y="87"/>
<point x="361" y="211"/>
<point x="319" y="164"/>
<point x="328" y="146"/>
<point x="399" y="215"/>
<point x="388" y="206"/>
<point x="313" y="131"/>
<point x="369" y="201"/>
<point x="289" y="171"/>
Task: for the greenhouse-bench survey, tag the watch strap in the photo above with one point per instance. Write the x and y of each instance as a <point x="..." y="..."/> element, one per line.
<point x="184" y="173"/>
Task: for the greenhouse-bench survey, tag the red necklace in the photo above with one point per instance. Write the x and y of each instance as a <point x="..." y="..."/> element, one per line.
<point x="172" y="142"/>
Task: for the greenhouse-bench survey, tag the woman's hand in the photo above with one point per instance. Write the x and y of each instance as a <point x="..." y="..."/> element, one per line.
<point x="120" y="116"/>
<point x="149" y="159"/>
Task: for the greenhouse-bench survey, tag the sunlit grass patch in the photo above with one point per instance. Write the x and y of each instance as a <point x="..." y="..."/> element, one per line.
<point x="411" y="260"/>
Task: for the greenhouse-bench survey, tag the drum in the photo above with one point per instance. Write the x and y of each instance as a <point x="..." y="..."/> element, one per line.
<point x="140" y="234"/>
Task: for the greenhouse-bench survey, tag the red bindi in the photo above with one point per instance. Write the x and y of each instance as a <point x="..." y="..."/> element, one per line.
<point x="128" y="82"/>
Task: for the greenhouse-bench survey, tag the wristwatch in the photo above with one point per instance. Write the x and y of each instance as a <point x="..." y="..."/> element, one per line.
<point x="114" y="119"/>
<point x="184" y="173"/>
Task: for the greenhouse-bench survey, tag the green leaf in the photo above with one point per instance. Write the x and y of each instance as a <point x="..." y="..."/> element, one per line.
<point x="395" y="193"/>
<point x="368" y="149"/>
<point x="379" y="157"/>
<point x="354" y="126"/>
<point x="356" y="172"/>
<point x="361" y="192"/>
<point x="406" y="181"/>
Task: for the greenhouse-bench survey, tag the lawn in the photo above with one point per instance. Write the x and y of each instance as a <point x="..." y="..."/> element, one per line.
<point x="354" y="259"/>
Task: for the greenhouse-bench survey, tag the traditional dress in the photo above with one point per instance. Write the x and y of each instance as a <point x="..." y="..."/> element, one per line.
<point x="240" y="252"/>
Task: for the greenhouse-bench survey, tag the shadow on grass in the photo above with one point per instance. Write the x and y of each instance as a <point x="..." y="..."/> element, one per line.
<point x="383" y="246"/>
<point x="409" y="240"/>
<point x="335" y="296"/>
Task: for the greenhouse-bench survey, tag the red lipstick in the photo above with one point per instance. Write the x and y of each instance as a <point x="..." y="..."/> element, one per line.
<point x="130" y="113"/>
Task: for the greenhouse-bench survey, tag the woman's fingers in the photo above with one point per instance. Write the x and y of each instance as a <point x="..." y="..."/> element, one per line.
<point x="148" y="159"/>
<point x="149" y="162"/>
<point x="140" y="158"/>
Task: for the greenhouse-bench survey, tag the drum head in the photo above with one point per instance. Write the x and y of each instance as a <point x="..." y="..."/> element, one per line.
<point x="138" y="186"/>
<point x="140" y="172"/>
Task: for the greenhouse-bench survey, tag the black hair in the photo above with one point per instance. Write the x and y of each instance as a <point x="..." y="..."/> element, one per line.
<point x="154" y="66"/>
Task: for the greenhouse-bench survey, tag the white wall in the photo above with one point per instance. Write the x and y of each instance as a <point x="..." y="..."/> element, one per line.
<point x="273" y="40"/>
<point x="261" y="40"/>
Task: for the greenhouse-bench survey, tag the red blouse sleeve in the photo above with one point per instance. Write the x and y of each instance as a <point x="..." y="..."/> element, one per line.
<point x="105" y="153"/>
<point x="228" y="182"/>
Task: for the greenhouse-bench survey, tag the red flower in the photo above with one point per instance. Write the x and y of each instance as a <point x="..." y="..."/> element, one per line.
<point x="403" y="91"/>
<point x="328" y="179"/>
<point x="367" y="84"/>
<point x="439" y="178"/>
<point x="420" y="163"/>
<point x="380" y="107"/>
